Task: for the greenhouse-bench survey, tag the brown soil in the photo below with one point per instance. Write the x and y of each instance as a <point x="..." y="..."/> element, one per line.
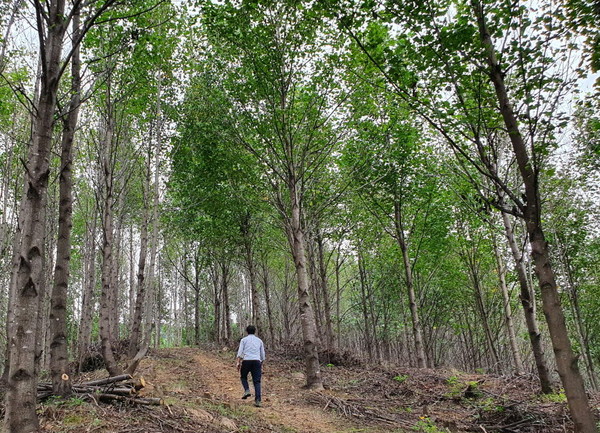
<point x="202" y="393"/>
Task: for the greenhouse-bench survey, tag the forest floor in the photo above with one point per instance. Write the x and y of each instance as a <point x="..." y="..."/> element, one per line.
<point x="201" y="391"/>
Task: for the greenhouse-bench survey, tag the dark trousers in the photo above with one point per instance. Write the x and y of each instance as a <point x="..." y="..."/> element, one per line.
<point x="255" y="369"/>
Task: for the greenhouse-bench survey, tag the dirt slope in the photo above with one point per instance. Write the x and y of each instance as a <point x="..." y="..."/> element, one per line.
<point x="281" y="405"/>
<point x="202" y="393"/>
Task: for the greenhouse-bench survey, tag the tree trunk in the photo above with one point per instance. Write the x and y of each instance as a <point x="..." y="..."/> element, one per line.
<point x="323" y="285"/>
<point x="16" y="242"/>
<point x="197" y="297"/>
<point x="510" y="329"/>
<point x="89" y="284"/>
<point x="107" y="250"/>
<point x="21" y="395"/>
<point x="59" y="356"/>
<point x="483" y="316"/>
<point x="251" y="266"/>
<point x="363" y="281"/>
<point x="566" y="361"/>
<point x="43" y="327"/>
<point x="286" y="329"/>
<point x="582" y="335"/>
<point x="225" y="277"/>
<point x="132" y="281"/>
<point x="529" y="307"/>
<point x="307" y="318"/>
<point x="14" y="10"/>
<point x="412" y="298"/>
<point x="267" y="287"/>
<point x="153" y="288"/>
<point x="140" y="298"/>
<point x="115" y="268"/>
<point x="216" y="304"/>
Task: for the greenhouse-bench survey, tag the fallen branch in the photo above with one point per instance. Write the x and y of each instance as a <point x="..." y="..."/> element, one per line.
<point x="149" y="401"/>
<point x="109" y="389"/>
<point x="107" y="380"/>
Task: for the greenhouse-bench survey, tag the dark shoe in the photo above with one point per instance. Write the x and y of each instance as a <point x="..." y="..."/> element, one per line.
<point x="246" y="395"/>
<point x="257" y="404"/>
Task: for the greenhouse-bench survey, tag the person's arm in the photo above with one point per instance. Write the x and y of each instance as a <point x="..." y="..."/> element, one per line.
<point x="240" y="355"/>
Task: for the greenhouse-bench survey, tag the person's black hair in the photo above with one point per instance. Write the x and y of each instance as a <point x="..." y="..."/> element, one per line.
<point x="251" y="329"/>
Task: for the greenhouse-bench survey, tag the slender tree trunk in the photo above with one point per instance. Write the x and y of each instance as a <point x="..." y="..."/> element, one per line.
<point x="115" y="268"/>
<point x="338" y="296"/>
<point x="43" y="327"/>
<point x="483" y="316"/>
<point x="154" y="290"/>
<point x="14" y="10"/>
<point x="287" y="320"/>
<point x="566" y="361"/>
<point x="323" y="284"/>
<point x="107" y="250"/>
<point x="197" y="297"/>
<point x="578" y="320"/>
<point x="196" y="316"/>
<point x="251" y="266"/>
<point x="140" y="298"/>
<point x="267" y="287"/>
<point x="89" y="284"/>
<point x="59" y="356"/>
<point x="307" y="318"/>
<point x="132" y="281"/>
<point x="225" y="274"/>
<point x="363" y="281"/>
<point x="510" y="329"/>
<point x="412" y="298"/>
<point x="216" y="304"/>
<point x="314" y="292"/>
<point x="20" y="409"/>
<point x="529" y="308"/>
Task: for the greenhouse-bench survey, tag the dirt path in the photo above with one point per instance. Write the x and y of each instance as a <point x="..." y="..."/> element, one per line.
<point x="281" y="406"/>
<point x="201" y="392"/>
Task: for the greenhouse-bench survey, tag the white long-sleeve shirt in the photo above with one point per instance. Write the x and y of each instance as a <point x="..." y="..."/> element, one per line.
<point x="251" y="349"/>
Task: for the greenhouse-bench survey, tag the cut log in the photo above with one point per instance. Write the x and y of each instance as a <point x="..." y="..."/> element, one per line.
<point x="108" y="380"/>
<point x="137" y="383"/>
<point x="109" y="398"/>
<point x="107" y="390"/>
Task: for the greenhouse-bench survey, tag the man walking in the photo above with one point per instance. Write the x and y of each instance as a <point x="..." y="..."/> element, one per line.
<point x="250" y="357"/>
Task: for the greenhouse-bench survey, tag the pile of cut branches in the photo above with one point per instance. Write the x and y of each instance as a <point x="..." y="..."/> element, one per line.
<point x="123" y="388"/>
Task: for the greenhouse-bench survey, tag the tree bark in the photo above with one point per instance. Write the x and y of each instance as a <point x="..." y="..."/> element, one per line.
<point x="140" y="297"/>
<point x="14" y="10"/>
<point x="510" y="329"/>
<point x="247" y="240"/>
<point x="483" y="314"/>
<point x="363" y="281"/>
<point x="412" y="298"/>
<point x="216" y="304"/>
<point x="323" y="285"/>
<point x="153" y="288"/>
<point x="267" y="288"/>
<point x="529" y="307"/>
<point x="225" y="277"/>
<point x="107" y="249"/>
<point x="307" y="318"/>
<point x="87" y="300"/>
<point x="21" y="395"/>
<point x="197" y="296"/>
<point x="115" y="267"/>
<point x="566" y="361"/>
<point x="582" y="334"/>
<point x="59" y="356"/>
